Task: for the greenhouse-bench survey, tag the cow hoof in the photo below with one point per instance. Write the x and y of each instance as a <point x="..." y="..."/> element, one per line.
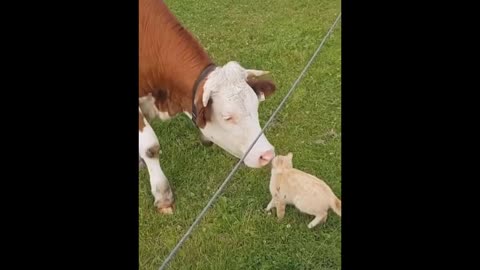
<point x="205" y="141"/>
<point x="165" y="210"/>
<point x="166" y="207"/>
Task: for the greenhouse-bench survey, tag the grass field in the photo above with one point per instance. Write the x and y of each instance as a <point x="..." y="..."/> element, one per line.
<point x="279" y="36"/>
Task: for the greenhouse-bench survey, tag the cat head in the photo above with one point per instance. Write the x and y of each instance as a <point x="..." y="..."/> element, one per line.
<point x="283" y="162"/>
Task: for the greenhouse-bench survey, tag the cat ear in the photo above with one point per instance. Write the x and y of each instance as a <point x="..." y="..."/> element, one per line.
<point x="290" y="155"/>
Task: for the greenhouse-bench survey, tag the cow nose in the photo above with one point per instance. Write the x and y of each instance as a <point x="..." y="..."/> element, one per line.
<point x="266" y="157"/>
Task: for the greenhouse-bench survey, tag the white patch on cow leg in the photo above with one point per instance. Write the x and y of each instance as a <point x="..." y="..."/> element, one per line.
<point x="163" y="115"/>
<point x="149" y="152"/>
<point x="150" y="110"/>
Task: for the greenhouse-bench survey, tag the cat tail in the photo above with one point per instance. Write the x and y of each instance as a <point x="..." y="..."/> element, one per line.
<point x="336" y="206"/>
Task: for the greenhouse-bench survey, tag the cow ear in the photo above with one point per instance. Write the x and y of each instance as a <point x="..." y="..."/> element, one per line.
<point x="204" y="106"/>
<point x="260" y="82"/>
<point x="206" y="96"/>
<point x="256" y="73"/>
<point x="263" y="88"/>
<point x="204" y="114"/>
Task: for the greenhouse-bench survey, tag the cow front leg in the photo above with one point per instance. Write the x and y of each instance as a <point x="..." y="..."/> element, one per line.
<point x="149" y="149"/>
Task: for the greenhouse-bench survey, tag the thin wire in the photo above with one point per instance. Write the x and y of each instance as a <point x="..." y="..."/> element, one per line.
<point x="222" y="187"/>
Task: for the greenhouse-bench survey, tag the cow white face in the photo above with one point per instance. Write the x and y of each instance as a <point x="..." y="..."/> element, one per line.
<point x="229" y="112"/>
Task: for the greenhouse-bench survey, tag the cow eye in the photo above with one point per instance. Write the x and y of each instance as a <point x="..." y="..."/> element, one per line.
<point x="228" y="118"/>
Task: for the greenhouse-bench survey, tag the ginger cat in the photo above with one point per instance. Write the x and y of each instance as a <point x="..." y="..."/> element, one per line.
<point x="306" y="192"/>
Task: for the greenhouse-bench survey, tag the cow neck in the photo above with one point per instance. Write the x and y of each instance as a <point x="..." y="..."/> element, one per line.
<point x="171" y="60"/>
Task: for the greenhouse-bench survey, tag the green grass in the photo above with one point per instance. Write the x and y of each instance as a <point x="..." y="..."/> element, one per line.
<point x="279" y="36"/>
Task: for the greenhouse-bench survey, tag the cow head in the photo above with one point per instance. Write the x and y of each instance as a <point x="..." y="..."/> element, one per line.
<point x="228" y="112"/>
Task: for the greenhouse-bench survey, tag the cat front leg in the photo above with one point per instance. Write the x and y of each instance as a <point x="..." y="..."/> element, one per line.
<point x="280" y="206"/>
<point x="270" y="205"/>
<point x="318" y="219"/>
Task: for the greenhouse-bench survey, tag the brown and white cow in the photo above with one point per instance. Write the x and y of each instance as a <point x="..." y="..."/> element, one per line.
<point x="226" y="98"/>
